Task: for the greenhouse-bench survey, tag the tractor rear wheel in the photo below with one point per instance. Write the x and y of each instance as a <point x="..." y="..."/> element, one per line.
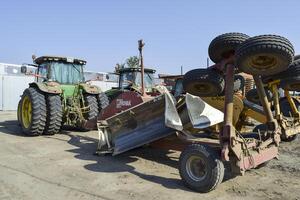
<point x="33" y="112"/>
<point x="203" y="82"/>
<point x="91" y="102"/>
<point x="225" y="45"/>
<point x="19" y="112"/>
<point x="54" y="114"/>
<point x="200" y="168"/>
<point x="264" y="55"/>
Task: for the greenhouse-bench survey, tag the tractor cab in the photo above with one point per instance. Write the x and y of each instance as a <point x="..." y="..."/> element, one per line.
<point x="63" y="70"/>
<point x="132" y="77"/>
<point x="130" y="80"/>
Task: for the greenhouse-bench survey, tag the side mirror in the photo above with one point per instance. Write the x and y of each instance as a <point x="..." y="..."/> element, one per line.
<point x="23" y="69"/>
<point x="107" y="76"/>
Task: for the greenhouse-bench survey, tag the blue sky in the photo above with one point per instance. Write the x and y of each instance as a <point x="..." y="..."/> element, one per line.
<point x="106" y="32"/>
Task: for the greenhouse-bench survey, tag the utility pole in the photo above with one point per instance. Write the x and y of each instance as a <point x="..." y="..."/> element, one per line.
<point x="141" y="45"/>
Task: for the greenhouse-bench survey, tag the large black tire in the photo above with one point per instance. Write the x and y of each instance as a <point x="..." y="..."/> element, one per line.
<point x="54" y="114"/>
<point x="190" y="171"/>
<point x="264" y="55"/>
<point x="223" y="46"/>
<point x="102" y="100"/>
<point x="290" y="79"/>
<point x="36" y="125"/>
<point x="253" y="97"/>
<point x="19" y="112"/>
<point x="203" y="82"/>
<point x="91" y="102"/>
<point x="291" y="72"/>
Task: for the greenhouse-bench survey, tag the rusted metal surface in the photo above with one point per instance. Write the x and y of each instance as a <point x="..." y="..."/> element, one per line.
<point x="228" y="130"/>
<point x="139" y="125"/>
<point x="141" y="45"/>
<point x="256" y="159"/>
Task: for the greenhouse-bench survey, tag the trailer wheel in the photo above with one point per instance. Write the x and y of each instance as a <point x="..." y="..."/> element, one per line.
<point x="54" y="114"/>
<point x="102" y="100"/>
<point x="33" y="112"/>
<point x="200" y="168"/>
<point x="264" y="55"/>
<point x="91" y="102"/>
<point x="203" y="82"/>
<point x="225" y="45"/>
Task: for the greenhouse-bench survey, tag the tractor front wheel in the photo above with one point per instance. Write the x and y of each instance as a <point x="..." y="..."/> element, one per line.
<point x="32" y="112"/>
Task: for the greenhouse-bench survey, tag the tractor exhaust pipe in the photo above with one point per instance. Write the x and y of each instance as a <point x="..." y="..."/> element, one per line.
<point x="141" y="45"/>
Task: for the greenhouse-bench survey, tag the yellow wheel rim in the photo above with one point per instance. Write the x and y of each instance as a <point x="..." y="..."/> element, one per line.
<point x="26" y="112"/>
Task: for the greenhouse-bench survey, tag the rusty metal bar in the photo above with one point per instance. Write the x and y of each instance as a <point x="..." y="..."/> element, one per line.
<point x="256" y="159"/>
<point x="227" y="133"/>
<point x="141" y="45"/>
<point x="271" y="122"/>
<point x="229" y="95"/>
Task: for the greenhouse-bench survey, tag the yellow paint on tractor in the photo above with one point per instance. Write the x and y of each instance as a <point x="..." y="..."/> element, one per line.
<point x="26" y="112"/>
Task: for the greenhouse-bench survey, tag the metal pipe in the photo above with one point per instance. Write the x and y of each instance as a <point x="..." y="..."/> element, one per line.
<point x="141" y="45"/>
<point x="264" y="101"/>
<point x="229" y="94"/>
<point x="228" y="130"/>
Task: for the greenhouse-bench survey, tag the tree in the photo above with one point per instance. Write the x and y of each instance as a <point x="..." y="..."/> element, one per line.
<point x="133" y="62"/>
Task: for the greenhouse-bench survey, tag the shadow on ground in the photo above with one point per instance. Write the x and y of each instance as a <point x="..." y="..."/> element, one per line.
<point x="86" y="148"/>
<point x="11" y="127"/>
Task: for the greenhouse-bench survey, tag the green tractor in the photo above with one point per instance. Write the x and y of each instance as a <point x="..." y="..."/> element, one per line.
<point x="59" y="96"/>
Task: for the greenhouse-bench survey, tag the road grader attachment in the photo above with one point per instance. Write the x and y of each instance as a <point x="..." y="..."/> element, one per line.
<point x="185" y="123"/>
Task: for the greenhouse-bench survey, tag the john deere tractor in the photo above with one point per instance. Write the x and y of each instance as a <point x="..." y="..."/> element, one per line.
<point x="59" y="96"/>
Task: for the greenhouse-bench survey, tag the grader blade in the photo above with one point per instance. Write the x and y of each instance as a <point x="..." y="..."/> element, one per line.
<point x="201" y="114"/>
<point x="139" y="125"/>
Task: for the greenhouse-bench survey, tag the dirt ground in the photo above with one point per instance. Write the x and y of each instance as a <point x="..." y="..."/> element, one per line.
<point x="64" y="167"/>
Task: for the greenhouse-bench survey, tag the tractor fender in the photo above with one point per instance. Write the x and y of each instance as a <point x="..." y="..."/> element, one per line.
<point x="90" y="89"/>
<point x="49" y="87"/>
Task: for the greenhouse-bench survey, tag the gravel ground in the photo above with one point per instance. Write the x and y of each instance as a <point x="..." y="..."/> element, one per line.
<point x="63" y="167"/>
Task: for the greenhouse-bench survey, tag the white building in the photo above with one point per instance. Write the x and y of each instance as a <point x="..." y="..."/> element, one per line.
<point x="13" y="83"/>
